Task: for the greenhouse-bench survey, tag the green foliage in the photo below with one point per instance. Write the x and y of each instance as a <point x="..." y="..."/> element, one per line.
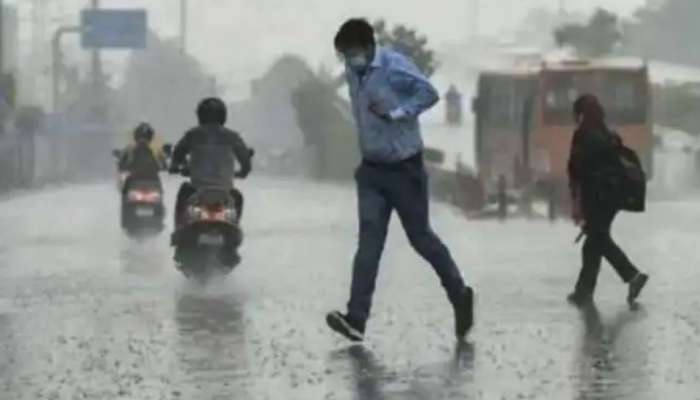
<point x="595" y="39"/>
<point x="677" y="107"/>
<point x="666" y="32"/>
<point x="163" y="85"/>
<point x="409" y="42"/>
<point x="325" y="119"/>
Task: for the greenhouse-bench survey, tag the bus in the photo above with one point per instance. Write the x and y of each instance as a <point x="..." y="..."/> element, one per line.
<point x="503" y="111"/>
<point x="524" y="123"/>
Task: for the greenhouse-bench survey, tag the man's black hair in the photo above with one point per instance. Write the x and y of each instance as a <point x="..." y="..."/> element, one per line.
<point x="356" y="32"/>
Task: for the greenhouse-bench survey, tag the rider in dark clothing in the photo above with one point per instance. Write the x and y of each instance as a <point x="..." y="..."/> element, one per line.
<point x="594" y="157"/>
<point x="140" y="160"/>
<point x="212" y="150"/>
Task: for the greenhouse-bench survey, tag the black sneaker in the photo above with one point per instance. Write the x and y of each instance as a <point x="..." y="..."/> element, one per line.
<point x="342" y="325"/>
<point x="636" y="286"/>
<point x="179" y="256"/>
<point x="173" y="239"/>
<point x="579" y="299"/>
<point x="464" y="314"/>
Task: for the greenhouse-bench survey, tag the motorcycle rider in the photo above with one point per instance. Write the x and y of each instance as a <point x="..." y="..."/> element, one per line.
<point x="141" y="160"/>
<point x="209" y="151"/>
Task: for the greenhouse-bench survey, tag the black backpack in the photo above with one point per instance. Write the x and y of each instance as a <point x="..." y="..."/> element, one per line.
<point x="619" y="180"/>
<point x="632" y="186"/>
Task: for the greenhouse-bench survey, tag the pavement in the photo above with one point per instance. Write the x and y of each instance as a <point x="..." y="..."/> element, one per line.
<point x="88" y="313"/>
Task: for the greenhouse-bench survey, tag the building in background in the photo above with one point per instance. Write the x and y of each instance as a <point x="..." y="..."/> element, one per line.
<point x="10" y="56"/>
<point x="10" y="38"/>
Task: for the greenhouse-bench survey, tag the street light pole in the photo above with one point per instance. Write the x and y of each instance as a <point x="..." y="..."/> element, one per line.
<point x="476" y="11"/>
<point x="57" y="62"/>
<point x="96" y="59"/>
<point x="562" y="8"/>
<point x="2" y="37"/>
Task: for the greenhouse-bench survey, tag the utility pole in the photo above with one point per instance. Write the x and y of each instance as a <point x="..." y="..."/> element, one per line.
<point x="476" y="11"/>
<point x="2" y="38"/>
<point x="57" y="66"/>
<point x="183" y="25"/>
<point x="96" y="59"/>
<point x="33" y="78"/>
<point x="562" y="8"/>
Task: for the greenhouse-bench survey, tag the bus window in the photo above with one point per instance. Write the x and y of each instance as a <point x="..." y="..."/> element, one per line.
<point x="561" y="90"/>
<point x="623" y="95"/>
<point x="558" y="101"/>
<point x="505" y="98"/>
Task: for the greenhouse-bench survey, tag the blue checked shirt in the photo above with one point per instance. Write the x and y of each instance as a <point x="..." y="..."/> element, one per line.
<point x="393" y="84"/>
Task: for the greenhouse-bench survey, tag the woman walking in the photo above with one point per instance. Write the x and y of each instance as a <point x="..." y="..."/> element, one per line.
<point x="594" y="156"/>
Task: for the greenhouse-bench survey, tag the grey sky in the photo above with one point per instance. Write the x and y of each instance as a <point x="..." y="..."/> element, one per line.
<point x="237" y="39"/>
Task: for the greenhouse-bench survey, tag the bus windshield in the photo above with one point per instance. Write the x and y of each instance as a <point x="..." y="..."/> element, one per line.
<point x="504" y="99"/>
<point x="622" y="93"/>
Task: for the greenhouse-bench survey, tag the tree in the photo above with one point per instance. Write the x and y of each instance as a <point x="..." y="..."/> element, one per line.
<point x="409" y="42"/>
<point x="267" y="118"/>
<point x="325" y="119"/>
<point x="595" y="39"/>
<point x="676" y="106"/>
<point x="665" y="32"/>
<point x="163" y="85"/>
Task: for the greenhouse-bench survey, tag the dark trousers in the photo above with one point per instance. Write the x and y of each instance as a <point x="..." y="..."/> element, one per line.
<point x="599" y="244"/>
<point x="187" y="190"/>
<point x="382" y="189"/>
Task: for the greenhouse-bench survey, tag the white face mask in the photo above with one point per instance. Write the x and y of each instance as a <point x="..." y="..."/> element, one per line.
<point x="357" y="59"/>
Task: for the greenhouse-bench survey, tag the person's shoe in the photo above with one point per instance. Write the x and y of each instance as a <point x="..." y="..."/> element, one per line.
<point x="178" y="256"/>
<point x="579" y="299"/>
<point x="174" y="239"/>
<point x="464" y="314"/>
<point x="636" y="286"/>
<point x="343" y="325"/>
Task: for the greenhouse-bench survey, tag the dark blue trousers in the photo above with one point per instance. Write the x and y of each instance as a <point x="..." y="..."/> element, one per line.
<point x="402" y="187"/>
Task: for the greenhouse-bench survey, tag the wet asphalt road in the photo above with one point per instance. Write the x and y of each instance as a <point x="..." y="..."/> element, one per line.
<point x="87" y="313"/>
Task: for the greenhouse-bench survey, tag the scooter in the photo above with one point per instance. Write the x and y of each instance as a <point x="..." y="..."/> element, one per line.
<point x="142" y="207"/>
<point x="209" y="234"/>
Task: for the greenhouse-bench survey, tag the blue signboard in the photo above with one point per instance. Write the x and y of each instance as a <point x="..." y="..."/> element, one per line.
<point x="114" y="28"/>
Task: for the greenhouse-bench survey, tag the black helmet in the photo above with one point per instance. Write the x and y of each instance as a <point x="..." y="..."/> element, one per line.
<point x="211" y="110"/>
<point x="143" y="132"/>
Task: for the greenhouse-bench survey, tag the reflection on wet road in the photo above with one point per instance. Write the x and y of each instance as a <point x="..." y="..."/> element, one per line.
<point x="87" y="313"/>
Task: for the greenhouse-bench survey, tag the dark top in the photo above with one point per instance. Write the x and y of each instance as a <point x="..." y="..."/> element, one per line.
<point x="140" y="162"/>
<point x="594" y="155"/>
<point x="212" y="151"/>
